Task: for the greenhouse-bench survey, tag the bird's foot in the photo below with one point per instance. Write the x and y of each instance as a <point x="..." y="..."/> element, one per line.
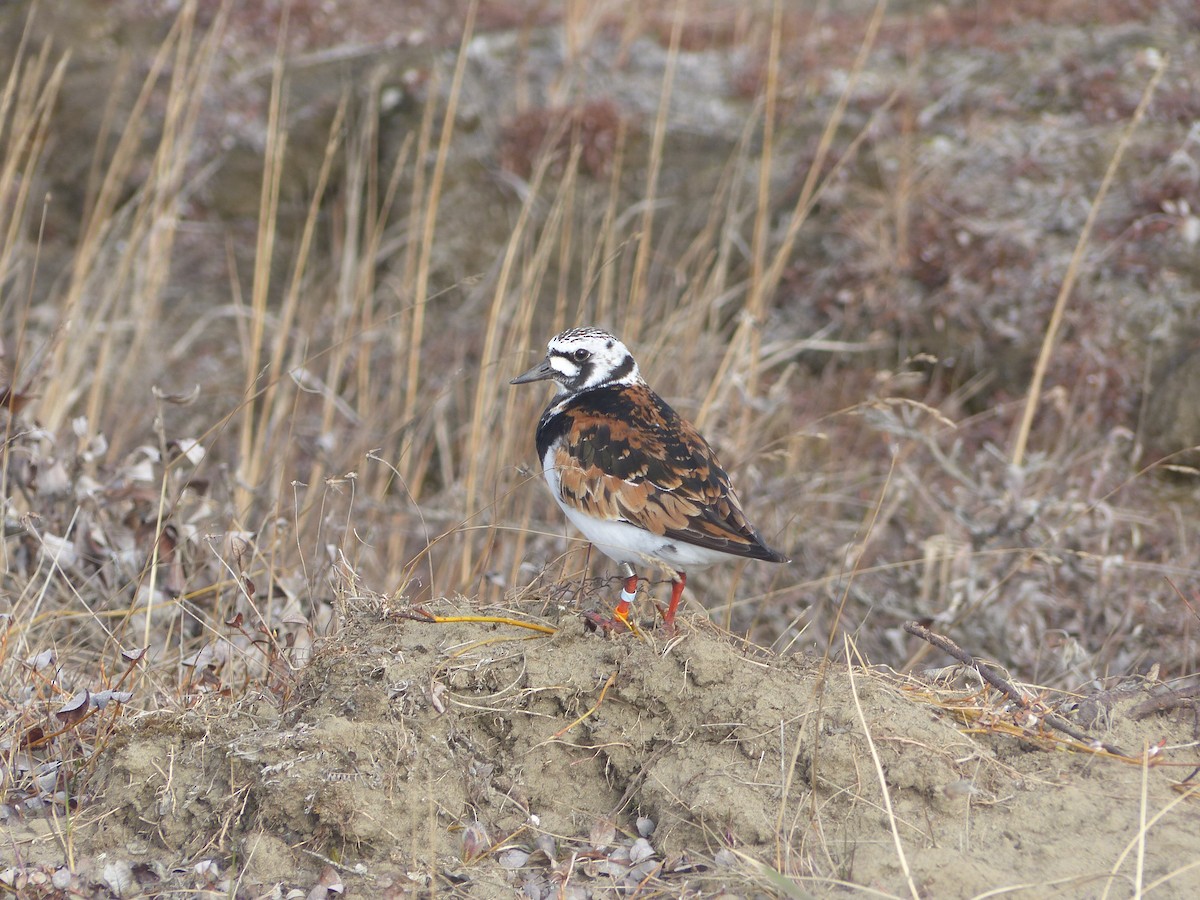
<point x="669" y="628"/>
<point x="620" y="620"/>
<point x="614" y="624"/>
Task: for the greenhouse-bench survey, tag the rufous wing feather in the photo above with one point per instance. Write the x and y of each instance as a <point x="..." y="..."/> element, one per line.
<point x="627" y="456"/>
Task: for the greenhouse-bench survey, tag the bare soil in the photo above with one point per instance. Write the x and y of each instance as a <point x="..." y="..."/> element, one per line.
<point x="476" y="760"/>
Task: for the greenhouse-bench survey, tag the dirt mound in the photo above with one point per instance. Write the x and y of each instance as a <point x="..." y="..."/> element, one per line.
<point x="477" y="760"/>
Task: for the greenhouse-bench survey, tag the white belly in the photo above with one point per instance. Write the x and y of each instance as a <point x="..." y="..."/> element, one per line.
<point x="625" y="543"/>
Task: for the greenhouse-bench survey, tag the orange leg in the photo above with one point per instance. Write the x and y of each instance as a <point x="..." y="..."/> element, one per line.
<point x="628" y="595"/>
<point x="676" y="593"/>
<point x="620" y="617"/>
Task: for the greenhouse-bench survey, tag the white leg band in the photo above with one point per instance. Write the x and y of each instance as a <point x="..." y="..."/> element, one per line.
<point x="628" y="597"/>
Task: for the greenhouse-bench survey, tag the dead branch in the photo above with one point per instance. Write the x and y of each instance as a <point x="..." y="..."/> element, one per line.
<point x="996" y="680"/>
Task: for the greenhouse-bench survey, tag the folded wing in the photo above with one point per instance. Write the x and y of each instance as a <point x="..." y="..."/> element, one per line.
<point x="627" y="456"/>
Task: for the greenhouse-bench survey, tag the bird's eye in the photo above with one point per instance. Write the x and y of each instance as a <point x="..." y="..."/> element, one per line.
<point x="581" y="354"/>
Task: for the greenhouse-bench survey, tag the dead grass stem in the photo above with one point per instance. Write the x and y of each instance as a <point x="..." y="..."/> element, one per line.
<point x="1064" y="292"/>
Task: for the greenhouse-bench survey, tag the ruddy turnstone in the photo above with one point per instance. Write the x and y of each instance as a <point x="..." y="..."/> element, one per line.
<point x="640" y="482"/>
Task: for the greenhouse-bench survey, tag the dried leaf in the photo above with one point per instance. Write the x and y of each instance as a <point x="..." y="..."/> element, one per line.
<point x="437" y="691"/>
<point x="40" y="661"/>
<point x="53" y="480"/>
<point x="201" y="658"/>
<point x="59" y="551"/>
<point x="238" y="544"/>
<point x="101" y="699"/>
<point x="180" y="399"/>
<point x="330" y="883"/>
<point x="475" y="841"/>
<point x="725" y="858"/>
<point x="679" y="863"/>
<point x="118" y="875"/>
<point x="141" y="471"/>
<point x="47" y="776"/>
<point x="168" y="540"/>
<point x="603" y="833"/>
<point x="594" y="868"/>
<point x="208" y="869"/>
<point x="640" y="851"/>
<point x="545" y="843"/>
<point x="96" y="447"/>
<point x="189" y="449"/>
<point x="641" y="872"/>
<point x="536" y="887"/>
<point x="135" y="655"/>
<point x="197" y="486"/>
<point x="75" y="708"/>
<point x="32" y="735"/>
<point x="513" y="858"/>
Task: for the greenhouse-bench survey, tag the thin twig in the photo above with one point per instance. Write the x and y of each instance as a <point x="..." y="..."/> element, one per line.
<point x="595" y="706"/>
<point x="992" y="677"/>
<point x="883" y="785"/>
<point x="417" y="614"/>
<point x="1174" y="699"/>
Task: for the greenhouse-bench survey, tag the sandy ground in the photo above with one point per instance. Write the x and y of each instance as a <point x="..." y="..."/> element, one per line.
<point x="480" y="760"/>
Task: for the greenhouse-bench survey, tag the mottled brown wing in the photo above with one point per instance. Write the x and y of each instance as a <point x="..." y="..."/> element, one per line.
<point x="625" y="455"/>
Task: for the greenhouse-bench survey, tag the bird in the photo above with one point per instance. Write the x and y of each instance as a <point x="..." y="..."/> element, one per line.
<point x="638" y="480"/>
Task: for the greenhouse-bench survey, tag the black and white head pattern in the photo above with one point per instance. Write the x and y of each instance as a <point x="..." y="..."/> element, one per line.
<point x="587" y="358"/>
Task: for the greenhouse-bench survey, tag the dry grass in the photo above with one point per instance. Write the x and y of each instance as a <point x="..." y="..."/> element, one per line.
<point x="219" y="437"/>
